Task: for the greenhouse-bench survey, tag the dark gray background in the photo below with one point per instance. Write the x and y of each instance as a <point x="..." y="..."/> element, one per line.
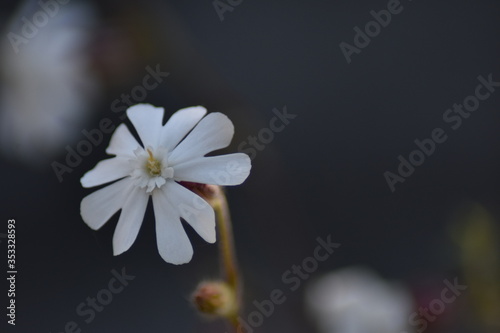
<point x="322" y="175"/>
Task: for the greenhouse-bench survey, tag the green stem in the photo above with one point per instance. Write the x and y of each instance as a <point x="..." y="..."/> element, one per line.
<point x="229" y="263"/>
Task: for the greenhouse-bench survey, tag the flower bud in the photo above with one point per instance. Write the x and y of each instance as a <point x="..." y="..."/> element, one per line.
<point x="215" y="298"/>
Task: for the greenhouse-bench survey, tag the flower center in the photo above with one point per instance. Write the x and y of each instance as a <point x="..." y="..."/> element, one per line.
<point x="152" y="169"/>
<point x="153" y="166"/>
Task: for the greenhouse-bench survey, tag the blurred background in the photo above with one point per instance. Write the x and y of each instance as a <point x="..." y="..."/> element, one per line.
<point x="67" y="65"/>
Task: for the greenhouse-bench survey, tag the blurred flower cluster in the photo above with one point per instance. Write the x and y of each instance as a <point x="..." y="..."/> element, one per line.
<point x="47" y="86"/>
<point x="356" y="300"/>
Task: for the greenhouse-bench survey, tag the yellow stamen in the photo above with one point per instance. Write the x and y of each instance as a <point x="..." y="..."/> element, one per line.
<point x="151" y="158"/>
<point x="153" y="165"/>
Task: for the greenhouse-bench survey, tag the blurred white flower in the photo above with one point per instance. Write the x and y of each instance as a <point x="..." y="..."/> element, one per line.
<point x="46" y="86"/>
<point x="355" y="300"/>
<point x="170" y="153"/>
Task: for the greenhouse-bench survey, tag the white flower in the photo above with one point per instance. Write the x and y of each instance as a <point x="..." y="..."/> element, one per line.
<point x="46" y="82"/>
<point x="170" y="153"/>
<point x="356" y="300"/>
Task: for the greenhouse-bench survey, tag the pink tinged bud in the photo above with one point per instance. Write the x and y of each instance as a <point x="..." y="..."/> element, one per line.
<point x="206" y="191"/>
<point x="215" y="298"/>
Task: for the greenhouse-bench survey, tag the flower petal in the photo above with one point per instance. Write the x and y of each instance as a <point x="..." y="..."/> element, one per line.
<point x="179" y="125"/>
<point x="98" y="207"/>
<point x="106" y="171"/>
<point x="130" y="220"/>
<point x="122" y="142"/>
<point x="173" y="243"/>
<point x="213" y="132"/>
<point x="148" y="122"/>
<point x="192" y="208"/>
<point x="231" y="169"/>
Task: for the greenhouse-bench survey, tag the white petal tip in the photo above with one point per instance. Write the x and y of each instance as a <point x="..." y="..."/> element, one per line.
<point x="241" y="169"/>
<point x="119" y="247"/>
<point x="201" y="110"/>
<point x="117" y="252"/>
<point x="85" y="181"/>
<point x="142" y="108"/>
<point x="210" y="237"/>
<point x="180" y="262"/>
<point x="89" y="224"/>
